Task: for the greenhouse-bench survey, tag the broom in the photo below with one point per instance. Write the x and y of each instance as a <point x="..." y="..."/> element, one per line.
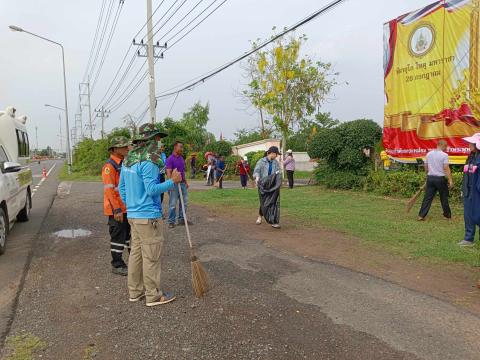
<point x="200" y="281"/>
<point x="414" y="198"/>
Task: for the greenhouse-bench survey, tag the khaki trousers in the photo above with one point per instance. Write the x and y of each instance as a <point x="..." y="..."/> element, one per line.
<point x="144" y="261"/>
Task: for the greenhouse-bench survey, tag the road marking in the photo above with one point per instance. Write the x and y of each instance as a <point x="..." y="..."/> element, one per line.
<point x="34" y="191"/>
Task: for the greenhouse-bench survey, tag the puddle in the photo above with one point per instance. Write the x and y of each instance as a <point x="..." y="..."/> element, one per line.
<point x="72" y="233"/>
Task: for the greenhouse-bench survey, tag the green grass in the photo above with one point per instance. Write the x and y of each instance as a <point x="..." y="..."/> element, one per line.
<point x="23" y="347"/>
<point x="77" y="176"/>
<point x="375" y="220"/>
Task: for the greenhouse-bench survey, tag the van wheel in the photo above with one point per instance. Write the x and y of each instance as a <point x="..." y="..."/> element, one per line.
<point x="3" y="231"/>
<point x="24" y="214"/>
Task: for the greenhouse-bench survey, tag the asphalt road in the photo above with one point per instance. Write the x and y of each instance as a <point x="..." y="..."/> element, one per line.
<point x="21" y="241"/>
<point x="264" y="304"/>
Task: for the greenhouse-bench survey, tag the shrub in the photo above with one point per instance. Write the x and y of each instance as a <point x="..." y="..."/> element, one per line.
<point x="231" y="164"/>
<point x="405" y="183"/>
<point x="338" y="179"/>
<point x="90" y="156"/>
<point x="253" y="158"/>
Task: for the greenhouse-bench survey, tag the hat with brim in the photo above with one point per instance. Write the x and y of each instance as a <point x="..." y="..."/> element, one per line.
<point x="274" y="149"/>
<point x="118" y="142"/>
<point x="474" y="139"/>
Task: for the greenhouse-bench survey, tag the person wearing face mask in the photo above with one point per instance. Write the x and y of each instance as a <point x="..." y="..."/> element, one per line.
<point x="266" y="175"/>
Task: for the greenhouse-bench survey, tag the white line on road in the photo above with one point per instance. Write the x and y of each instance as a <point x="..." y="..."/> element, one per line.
<point x="43" y="179"/>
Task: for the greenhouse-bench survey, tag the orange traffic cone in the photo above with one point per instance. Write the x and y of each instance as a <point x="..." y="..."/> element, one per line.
<point x="44" y="172"/>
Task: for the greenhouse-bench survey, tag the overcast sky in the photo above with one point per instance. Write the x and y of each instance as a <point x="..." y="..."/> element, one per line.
<point x="350" y="37"/>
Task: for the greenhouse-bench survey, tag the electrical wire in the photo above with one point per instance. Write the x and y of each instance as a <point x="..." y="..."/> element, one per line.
<point x="202" y="79"/>
<point x="117" y="104"/>
<point x="102" y="36"/>
<point x="99" y="21"/>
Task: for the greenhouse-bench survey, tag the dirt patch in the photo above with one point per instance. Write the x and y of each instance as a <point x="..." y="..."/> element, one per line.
<point x="453" y="283"/>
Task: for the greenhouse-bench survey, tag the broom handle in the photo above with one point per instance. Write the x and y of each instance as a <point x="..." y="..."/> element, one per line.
<point x="185" y="215"/>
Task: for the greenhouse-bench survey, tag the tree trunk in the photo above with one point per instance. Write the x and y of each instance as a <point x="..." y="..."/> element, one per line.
<point x="284" y="147"/>
<point x="262" y="123"/>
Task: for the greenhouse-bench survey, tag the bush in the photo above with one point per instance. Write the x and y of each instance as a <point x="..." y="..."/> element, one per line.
<point x="253" y="158"/>
<point x="90" y="156"/>
<point x="231" y="164"/>
<point x="405" y="183"/>
<point x="338" y="179"/>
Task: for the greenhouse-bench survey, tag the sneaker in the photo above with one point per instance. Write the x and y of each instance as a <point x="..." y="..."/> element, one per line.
<point x="276" y="226"/>
<point x="420" y="218"/>
<point x="259" y="220"/>
<point x="164" y="299"/>
<point x="171" y="226"/>
<point x="466" y="243"/>
<point x="138" y="298"/>
<point x="121" y="270"/>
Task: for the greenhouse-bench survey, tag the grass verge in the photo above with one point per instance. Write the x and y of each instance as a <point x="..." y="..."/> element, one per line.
<point x="76" y="176"/>
<point x="375" y="220"/>
<point x="23" y="347"/>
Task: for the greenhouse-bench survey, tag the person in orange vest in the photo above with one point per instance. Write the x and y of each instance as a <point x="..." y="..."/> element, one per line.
<point x="113" y="205"/>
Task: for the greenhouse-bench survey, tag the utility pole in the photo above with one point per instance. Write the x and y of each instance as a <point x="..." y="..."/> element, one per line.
<point x="61" y="143"/>
<point x="79" y="125"/>
<point x="150" y="55"/>
<point x="84" y="89"/>
<point x="36" y="140"/>
<point x="102" y="113"/>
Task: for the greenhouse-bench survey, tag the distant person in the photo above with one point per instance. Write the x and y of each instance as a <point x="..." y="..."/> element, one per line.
<point x="264" y="168"/>
<point x="439" y="178"/>
<point x="471" y="191"/>
<point x="193" y="166"/>
<point x="113" y="206"/>
<point x="244" y="171"/>
<point x="289" y="164"/>
<point x="211" y="162"/>
<point x="220" y="171"/>
<point x="140" y="190"/>
<point x="176" y="162"/>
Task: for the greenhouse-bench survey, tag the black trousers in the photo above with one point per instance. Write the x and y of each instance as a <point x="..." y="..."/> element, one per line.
<point x="290" y="178"/>
<point x="434" y="184"/>
<point x="119" y="239"/>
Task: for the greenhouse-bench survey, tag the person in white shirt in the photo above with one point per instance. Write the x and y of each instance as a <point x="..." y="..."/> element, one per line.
<point x="439" y="178"/>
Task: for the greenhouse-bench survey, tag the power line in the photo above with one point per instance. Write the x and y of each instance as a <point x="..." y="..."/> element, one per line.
<point x="117" y="104"/>
<point x="99" y="21"/>
<point x="122" y="78"/>
<point x="102" y="36"/>
<point x="214" y="72"/>
<point x="109" y="41"/>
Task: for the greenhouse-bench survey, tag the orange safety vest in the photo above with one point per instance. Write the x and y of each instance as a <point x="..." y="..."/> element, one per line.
<point x="112" y="203"/>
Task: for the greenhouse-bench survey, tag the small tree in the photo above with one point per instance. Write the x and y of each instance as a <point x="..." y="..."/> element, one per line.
<point x="287" y="86"/>
<point x="222" y="148"/>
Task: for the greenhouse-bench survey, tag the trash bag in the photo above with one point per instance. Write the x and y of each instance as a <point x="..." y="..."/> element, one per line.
<point x="269" y="192"/>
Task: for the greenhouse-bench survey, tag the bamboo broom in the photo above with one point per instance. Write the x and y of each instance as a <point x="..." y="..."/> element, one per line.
<point x="415" y="197"/>
<point x="200" y="282"/>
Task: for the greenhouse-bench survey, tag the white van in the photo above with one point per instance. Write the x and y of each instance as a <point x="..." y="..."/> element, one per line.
<point x="15" y="177"/>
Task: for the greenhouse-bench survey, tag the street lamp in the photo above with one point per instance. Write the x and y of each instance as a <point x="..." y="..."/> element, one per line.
<point x="55" y="107"/>
<point x="69" y="153"/>
<point x="59" y="118"/>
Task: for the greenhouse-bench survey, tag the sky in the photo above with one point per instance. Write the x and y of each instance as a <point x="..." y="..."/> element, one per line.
<point x="350" y="37"/>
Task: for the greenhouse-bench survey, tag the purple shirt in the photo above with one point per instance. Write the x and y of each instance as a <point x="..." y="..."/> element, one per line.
<point x="176" y="162"/>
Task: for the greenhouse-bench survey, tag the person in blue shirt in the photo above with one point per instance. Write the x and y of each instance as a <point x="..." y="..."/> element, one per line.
<point x="140" y="190"/>
<point x="220" y="170"/>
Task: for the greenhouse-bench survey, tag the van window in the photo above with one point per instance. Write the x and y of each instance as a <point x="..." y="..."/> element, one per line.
<point x="3" y="157"/>
<point x="22" y="141"/>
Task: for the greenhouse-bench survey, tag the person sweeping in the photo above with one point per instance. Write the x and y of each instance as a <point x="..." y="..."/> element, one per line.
<point x="140" y="190"/>
<point x="266" y="174"/>
<point x="439" y="178"/>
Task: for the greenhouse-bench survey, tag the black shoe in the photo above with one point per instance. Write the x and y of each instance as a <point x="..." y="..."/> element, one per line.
<point x="122" y="270"/>
<point x="171" y="226"/>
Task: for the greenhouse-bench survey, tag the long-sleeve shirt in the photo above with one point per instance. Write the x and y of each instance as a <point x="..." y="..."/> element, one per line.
<point x="289" y="163"/>
<point x="140" y="189"/>
<point x="112" y="203"/>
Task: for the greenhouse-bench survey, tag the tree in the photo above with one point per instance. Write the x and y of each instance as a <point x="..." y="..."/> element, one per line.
<point x="307" y="129"/>
<point x="286" y="86"/>
<point x="222" y="148"/>
<point x="245" y="136"/>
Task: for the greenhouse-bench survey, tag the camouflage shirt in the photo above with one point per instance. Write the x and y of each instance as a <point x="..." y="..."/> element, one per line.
<point x="149" y="151"/>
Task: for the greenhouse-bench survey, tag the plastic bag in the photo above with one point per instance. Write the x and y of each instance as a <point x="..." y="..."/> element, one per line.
<point x="269" y="192"/>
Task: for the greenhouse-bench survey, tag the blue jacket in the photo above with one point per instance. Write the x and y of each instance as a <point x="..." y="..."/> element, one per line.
<point x="140" y="190"/>
<point x="471" y="188"/>
<point x="261" y="169"/>
<point x="220" y="167"/>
